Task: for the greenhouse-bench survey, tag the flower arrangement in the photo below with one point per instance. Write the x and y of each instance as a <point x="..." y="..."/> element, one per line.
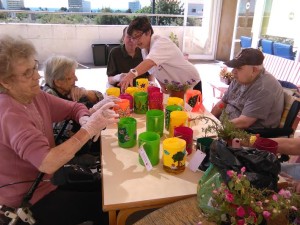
<point x="177" y="86"/>
<point x="240" y="203"/>
<point x="224" y="73"/>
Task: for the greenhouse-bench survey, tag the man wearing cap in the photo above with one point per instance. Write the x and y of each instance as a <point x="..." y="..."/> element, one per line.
<point x="254" y="98"/>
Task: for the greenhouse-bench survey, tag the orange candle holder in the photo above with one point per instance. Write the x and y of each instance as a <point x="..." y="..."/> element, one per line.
<point x="123" y="108"/>
<point x="194" y="99"/>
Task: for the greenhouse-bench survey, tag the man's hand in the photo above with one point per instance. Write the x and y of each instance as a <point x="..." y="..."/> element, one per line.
<point x="126" y="81"/>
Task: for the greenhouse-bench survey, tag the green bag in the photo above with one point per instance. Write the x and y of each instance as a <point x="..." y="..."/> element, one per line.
<point x="210" y="181"/>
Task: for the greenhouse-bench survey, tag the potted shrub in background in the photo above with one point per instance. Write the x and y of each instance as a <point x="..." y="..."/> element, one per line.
<point x="225" y="75"/>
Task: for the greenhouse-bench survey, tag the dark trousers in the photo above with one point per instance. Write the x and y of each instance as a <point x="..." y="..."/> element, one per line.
<point x="71" y="205"/>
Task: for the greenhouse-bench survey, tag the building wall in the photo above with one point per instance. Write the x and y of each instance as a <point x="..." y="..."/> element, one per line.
<point x="74" y="40"/>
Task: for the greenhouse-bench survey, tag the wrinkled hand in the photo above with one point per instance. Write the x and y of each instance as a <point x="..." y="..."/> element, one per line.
<point x="100" y="119"/>
<point x="117" y="78"/>
<point x="77" y="93"/>
<point x="126" y="82"/>
<point x="104" y="101"/>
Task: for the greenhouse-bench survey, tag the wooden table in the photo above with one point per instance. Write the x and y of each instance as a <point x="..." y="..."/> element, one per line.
<point x="128" y="187"/>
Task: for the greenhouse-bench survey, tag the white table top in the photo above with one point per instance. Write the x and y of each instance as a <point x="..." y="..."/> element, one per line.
<point x="127" y="184"/>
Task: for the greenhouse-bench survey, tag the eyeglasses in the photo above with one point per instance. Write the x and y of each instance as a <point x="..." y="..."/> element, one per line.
<point x="29" y="72"/>
<point x="136" y="37"/>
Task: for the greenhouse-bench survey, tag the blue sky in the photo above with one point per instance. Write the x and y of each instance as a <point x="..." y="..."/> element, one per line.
<point x="95" y="4"/>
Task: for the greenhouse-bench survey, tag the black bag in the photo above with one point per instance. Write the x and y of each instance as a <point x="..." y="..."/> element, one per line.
<point x="262" y="167"/>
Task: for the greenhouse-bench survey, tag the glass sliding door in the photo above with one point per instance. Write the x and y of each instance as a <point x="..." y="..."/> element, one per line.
<point x="201" y="25"/>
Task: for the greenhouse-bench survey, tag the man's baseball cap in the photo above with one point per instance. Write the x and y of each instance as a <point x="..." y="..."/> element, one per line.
<point x="248" y="56"/>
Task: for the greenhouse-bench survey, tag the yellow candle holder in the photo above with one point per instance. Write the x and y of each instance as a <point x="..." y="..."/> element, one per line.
<point x="131" y="90"/>
<point x="177" y="119"/>
<point x="142" y="84"/>
<point x="114" y="91"/>
<point x="175" y="101"/>
<point x="174" y="155"/>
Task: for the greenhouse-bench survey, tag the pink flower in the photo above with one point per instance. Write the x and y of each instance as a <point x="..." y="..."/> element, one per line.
<point x="243" y="169"/>
<point x="266" y="214"/>
<point x="275" y="198"/>
<point x="285" y="193"/>
<point x="230" y="173"/>
<point x="240" y="211"/>
<point x="241" y="222"/>
<point x="259" y="203"/>
<point x="294" y="208"/>
<point x="229" y="197"/>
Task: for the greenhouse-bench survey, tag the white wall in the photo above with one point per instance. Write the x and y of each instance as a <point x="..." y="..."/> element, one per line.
<point x="74" y="40"/>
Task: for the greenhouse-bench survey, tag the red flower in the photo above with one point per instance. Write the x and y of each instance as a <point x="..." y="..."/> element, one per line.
<point x="240" y="211"/>
<point x="241" y="222"/>
<point x="230" y="173"/>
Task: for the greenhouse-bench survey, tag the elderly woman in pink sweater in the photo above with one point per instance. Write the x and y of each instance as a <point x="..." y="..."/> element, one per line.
<point x="27" y="145"/>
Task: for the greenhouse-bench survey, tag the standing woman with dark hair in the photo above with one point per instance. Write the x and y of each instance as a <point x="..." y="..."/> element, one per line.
<point x="161" y="57"/>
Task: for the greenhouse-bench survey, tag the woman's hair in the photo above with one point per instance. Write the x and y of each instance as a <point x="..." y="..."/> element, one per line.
<point x="11" y="50"/>
<point x="140" y="23"/>
<point x="56" y="67"/>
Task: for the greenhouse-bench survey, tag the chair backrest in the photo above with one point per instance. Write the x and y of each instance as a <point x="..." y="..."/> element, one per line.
<point x="245" y="42"/>
<point x="267" y="46"/>
<point x="283" y="50"/>
<point x="291" y="110"/>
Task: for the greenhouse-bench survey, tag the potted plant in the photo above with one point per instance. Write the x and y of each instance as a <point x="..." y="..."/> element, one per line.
<point x="225" y="75"/>
<point x="240" y="203"/>
<point x="177" y="89"/>
<point x="225" y="130"/>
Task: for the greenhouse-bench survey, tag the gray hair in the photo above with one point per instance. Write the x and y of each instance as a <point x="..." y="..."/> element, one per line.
<point x="56" y="67"/>
<point x="11" y="50"/>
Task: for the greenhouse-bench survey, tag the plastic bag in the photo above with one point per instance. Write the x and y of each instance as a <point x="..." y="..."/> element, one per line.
<point x="210" y="181"/>
<point x="262" y="167"/>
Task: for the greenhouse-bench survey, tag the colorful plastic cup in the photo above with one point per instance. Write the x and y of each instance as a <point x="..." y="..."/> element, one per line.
<point x="123" y="108"/>
<point x="127" y="132"/>
<point x="131" y="90"/>
<point x="142" y="84"/>
<point x="114" y="91"/>
<point x="186" y="134"/>
<point x="155" y="100"/>
<point x="150" y="141"/>
<point x="177" y="119"/>
<point x="174" y="155"/>
<point x="140" y="102"/>
<point x="169" y="109"/>
<point x="155" y="121"/>
<point x="175" y="101"/>
<point x="129" y="97"/>
<point x="266" y="144"/>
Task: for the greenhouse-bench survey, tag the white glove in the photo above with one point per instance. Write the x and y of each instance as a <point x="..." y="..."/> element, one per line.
<point x="104" y="101"/>
<point x="100" y="119"/>
<point x="117" y="78"/>
<point x="83" y="120"/>
<point x="77" y="93"/>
